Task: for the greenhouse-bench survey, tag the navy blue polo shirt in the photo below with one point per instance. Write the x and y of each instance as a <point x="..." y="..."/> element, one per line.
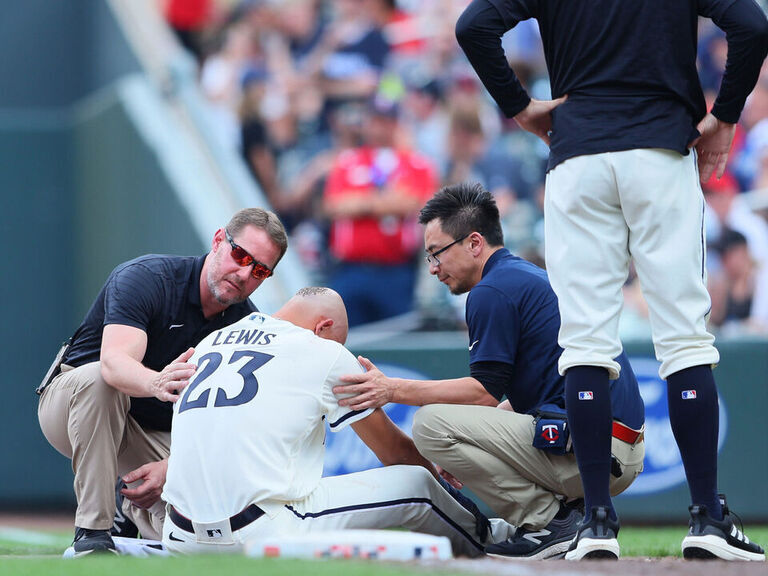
<point x="160" y="295"/>
<point x="628" y="68"/>
<point x="513" y="318"/>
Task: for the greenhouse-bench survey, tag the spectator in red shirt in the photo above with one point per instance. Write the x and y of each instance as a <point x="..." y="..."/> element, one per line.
<point x="372" y="197"/>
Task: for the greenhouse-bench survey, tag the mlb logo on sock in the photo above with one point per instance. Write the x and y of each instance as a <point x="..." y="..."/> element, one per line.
<point x="689" y="394"/>
<point x="587" y="395"/>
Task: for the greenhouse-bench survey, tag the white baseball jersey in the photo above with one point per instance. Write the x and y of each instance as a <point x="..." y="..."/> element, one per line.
<point x="249" y="427"/>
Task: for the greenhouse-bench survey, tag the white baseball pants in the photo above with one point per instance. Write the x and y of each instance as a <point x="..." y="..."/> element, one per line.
<point x="601" y="210"/>
<point x="390" y="497"/>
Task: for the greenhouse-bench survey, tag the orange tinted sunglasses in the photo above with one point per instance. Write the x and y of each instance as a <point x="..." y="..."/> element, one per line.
<point x="260" y="270"/>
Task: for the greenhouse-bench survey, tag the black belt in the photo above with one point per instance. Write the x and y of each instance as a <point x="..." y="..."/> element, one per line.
<point x="239" y="520"/>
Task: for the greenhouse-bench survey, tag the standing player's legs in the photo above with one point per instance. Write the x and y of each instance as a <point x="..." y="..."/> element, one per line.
<point x="587" y="262"/>
<point x="664" y="207"/>
<point x="587" y="259"/>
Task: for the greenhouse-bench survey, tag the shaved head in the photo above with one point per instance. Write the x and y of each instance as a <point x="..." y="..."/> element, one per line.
<point x="318" y="309"/>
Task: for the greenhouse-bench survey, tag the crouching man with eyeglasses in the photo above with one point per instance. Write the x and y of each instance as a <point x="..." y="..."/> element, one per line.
<point x="514" y="454"/>
<point x="109" y="408"/>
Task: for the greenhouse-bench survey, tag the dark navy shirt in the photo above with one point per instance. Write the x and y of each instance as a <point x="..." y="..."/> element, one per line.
<point x="513" y="318"/>
<point x="161" y="296"/>
<point x="628" y="68"/>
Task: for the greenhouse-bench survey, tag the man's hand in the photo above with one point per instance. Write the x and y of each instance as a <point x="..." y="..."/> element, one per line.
<point x="713" y="146"/>
<point x="450" y="478"/>
<point x="369" y="390"/>
<point x="536" y="118"/>
<point x="148" y="492"/>
<point x="168" y="383"/>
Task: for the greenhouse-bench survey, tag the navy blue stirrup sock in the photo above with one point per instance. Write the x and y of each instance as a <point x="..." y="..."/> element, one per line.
<point x="588" y="402"/>
<point x="695" y="420"/>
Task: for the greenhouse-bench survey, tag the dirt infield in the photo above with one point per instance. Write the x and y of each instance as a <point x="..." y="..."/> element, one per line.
<point x="39" y="521"/>
<point x="624" y="567"/>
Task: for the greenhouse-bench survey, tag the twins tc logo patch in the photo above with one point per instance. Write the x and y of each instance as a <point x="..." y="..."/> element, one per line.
<point x="216" y="533"/>
<point x="550" y="433"/>
<point x="689" y="394"/>
<point x="586" y="395"/>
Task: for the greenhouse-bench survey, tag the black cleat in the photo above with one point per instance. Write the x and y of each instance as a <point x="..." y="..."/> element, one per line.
<point x="92" y="541"/>
<point x="596" y="539"/>
<point x="717" y="539"/>
<point x="548" y="542"/>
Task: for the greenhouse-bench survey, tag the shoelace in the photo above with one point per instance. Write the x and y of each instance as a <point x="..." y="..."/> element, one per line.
<point x="740" y="530"/>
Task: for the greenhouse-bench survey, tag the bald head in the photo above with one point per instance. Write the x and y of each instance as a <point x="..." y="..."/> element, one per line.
<point x="318" y="309"/>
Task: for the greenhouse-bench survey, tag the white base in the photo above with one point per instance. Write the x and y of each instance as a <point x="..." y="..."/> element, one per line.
<point x="368" y="544"/>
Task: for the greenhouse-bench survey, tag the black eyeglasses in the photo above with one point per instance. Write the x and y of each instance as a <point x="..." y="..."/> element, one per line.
<point x="260" y="270"/>
<point x="432" y="258"/>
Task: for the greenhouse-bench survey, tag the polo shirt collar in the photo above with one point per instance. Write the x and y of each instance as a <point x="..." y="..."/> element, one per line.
<point x="494" y="259"/>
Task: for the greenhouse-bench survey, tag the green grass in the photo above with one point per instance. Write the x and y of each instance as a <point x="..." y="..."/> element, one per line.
<point x="203" y="565"/>
<point x="20" y="557"/>
<point x="665" y="541"/>
<point x="27" y="543"/>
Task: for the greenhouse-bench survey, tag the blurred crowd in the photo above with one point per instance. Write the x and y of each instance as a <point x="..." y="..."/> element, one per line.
<point x="351" y="113"/>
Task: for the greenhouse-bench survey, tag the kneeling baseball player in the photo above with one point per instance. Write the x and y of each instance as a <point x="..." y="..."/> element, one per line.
<point x="248" y="441"/>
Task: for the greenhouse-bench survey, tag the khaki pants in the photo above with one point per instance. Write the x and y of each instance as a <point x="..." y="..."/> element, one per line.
<point x="87" y="421"/>
<point x="490" y="450"/>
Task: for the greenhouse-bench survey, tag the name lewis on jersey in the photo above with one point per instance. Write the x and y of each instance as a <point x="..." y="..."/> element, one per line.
<point x="248" y="337"/>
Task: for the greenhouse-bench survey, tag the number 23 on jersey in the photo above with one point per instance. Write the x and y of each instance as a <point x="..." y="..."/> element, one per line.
<point x="210" y="363"/>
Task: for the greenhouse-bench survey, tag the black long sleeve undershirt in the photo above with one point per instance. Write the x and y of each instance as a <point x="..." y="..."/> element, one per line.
<point x="494" y="376"/>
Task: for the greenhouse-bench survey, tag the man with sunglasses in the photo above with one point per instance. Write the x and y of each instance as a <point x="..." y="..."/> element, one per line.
<point x="513" y="455"/>
<point x="109" y="408"/>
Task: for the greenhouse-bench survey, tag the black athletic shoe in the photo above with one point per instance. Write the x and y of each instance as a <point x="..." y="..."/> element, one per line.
<point x="92" y="541"/>
<point x="122" y="525"/>
<point x="709" y="538"/>
<point x="548" y="542"/>
<point x="596" y="539"/>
